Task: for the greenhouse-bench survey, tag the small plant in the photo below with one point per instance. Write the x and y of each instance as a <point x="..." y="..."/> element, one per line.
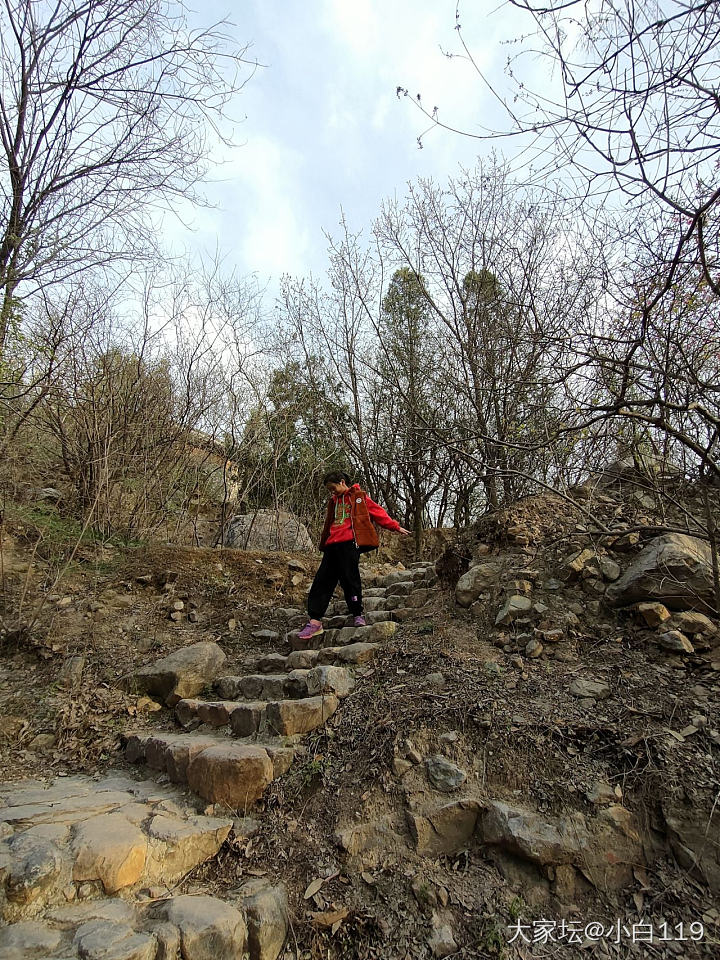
<point x="516" y="908"/>
<point x="492" y="941"/>
<point x="425" y="628"/>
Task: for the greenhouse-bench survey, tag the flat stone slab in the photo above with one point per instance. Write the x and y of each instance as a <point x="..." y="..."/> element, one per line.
<point x="116" y="833"/>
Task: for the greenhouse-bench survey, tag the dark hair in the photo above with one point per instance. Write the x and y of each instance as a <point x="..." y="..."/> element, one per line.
<point x="336" y="476"/>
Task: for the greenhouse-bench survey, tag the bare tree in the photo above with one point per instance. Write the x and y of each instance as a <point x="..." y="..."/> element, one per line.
<point x="105" y="111"/>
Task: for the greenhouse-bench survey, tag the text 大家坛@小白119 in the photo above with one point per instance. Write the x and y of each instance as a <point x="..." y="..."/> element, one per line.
<point x="577" y="932"/>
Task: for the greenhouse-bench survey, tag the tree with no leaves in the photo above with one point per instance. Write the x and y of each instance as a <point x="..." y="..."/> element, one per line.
<point x="105" y="110"/>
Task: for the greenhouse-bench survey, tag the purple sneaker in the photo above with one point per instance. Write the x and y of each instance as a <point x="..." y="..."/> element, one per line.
<point x="359" y="621"/>
<point x="310" y="630"/>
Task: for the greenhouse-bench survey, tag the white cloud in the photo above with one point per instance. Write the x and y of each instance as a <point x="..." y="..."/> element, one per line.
<point x="324" y="128"/>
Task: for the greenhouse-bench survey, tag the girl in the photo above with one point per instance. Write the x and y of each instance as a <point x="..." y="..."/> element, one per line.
<point x="347" y="533"/>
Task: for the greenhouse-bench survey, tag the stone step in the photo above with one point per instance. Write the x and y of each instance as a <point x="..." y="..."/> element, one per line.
<point x="400" y="576"/>
<point x="344" y="620"/>
<point x="399" y="589"/>
<point x="376" y="633"/>
<point x="352" y="654"/>
<point x="289" y="717"/>
<point x="402" y="614"/>
<point x="263" y="686"/>
<point x="218" y="769"/>
<point x="374" y="592"/>
<point x="298" y="682"/>
<point x="284" y="718"/>
<point x="370" y="605"/>
<point x="270" y="663"/>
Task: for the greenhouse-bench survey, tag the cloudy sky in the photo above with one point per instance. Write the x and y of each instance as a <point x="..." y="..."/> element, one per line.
<point x="323" y="130"/>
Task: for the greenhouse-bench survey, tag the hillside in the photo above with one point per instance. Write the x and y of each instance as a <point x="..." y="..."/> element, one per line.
<point x="509" y="753"/>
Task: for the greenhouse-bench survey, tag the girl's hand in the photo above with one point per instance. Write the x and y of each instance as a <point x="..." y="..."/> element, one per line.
<point x="404" y="532"/>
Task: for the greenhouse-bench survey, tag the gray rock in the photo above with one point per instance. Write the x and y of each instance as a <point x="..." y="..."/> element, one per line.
<point x="675" y="641"/>
<point x="443" y="830"/>
<point x="694" y="835"/>
<point x="673" y="569"/>
<point x="100" y="940"/>
<point x="609" y="569"/>
<point x="328" y="679"/>
<point x="477" y="580"/>
<point x="441" y="941"/>
<point x="71" y="671"/>
<point x="209" y="928"/>
<point x="51" y="494"/>
<point x="267" y="530"/>
<point x="182" y="674"/>
<point x="28" y="941"/>
<point x="266" y="909"/>
<point x="37" y="868"/>
<point x="534" y="648"/>
<point x="595" y="689"/>
<point x="515" y="607"/>
<point x="604" y="849"/>
<point x="443" y="774"/>
<point x="689" y="621"/>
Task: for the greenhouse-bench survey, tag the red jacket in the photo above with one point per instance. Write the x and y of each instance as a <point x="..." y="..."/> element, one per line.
<point x="351" y="516"/>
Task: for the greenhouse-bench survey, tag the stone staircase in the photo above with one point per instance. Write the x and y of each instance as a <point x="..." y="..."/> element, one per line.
<point x="89" y="867"/>
<point x="231" y="748"/>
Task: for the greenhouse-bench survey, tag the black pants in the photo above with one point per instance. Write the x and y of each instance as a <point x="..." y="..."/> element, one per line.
<point x="340" y="563"/>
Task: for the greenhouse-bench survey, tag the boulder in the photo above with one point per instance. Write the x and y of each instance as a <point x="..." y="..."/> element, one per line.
<point x="267" y="530"/>
<point x="266" y="910"/>
<point x="209" y="928"/>
<point x="478" y="579"/>
<point x="444" y="830"/>
<point x="515" y="607"/>
<point x="182" y="674"/>
<point x="605" y="850"/>
<point x="674" y="569"/>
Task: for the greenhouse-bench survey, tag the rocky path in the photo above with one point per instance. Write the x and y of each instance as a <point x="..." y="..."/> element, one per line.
<point x="88" y="867"/>
<point x="238" y="744"/>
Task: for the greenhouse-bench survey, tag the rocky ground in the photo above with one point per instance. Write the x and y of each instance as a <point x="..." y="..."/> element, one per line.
<point x="526" y="765"/>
